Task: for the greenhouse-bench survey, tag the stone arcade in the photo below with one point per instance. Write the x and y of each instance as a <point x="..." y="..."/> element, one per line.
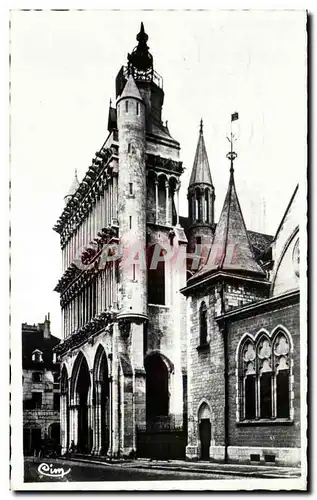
<point x="165" y="362"/>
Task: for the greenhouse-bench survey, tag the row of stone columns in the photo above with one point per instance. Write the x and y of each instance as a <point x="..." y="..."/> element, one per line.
<point x="169" y="198"/>
<point x="103" y="214"/>
<point x="77" y="312"/>
<point x="69" y="422"/>
<point x="201" y="206"/>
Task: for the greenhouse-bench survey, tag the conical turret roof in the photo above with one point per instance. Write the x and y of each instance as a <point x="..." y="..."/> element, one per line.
<point x="232" y="237"/>
<point x="231" y="248"/>
<point x="130" y="89"/>
<point x="201" y="170"/>
<point x="74" y="186"/>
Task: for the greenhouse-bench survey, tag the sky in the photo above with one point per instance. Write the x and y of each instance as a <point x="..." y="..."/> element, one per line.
<point x="63" y="69"/>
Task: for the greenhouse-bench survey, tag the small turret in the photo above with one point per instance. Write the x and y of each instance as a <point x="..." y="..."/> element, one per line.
<point x="201" y="197"/>
<point x="73" y="188"/>
<point x="132" y="199"/>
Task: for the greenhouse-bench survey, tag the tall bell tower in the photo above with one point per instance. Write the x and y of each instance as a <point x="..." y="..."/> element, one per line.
<point x="151" y="340"/>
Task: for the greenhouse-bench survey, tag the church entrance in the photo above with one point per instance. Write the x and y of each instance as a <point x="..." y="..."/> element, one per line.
<point x="157" y="397"/>
<point x="204" y="417"/>
<point x="83" y="386"/>
<point x="205" y="437"/>
<point x="160" y="439"/>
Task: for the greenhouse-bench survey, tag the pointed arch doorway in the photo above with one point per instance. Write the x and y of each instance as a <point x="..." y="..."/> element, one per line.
<point x="82" y="388"/>
<point x="204" y="423"/>
<point x="101" y="402"/>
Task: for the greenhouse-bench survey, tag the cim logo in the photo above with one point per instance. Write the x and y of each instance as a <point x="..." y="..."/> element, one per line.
<point x="50" y="471"/>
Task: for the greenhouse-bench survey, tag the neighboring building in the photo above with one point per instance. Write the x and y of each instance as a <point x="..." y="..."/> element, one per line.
<point x="40" y="379"/>
<point x="200" y="360"/>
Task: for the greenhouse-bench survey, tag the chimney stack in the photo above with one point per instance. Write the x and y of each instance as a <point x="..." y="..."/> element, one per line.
<point x="47" y="327"/>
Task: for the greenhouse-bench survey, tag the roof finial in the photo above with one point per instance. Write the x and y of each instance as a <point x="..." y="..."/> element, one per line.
<point x="141" y="59"/>
<point x="232" y="155"/>
<point x="142" y="36"/>
<point x="201" y="126"/>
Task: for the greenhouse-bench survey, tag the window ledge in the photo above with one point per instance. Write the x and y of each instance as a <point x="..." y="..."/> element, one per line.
<point x="266" y="421"/>
<point x="203" y="347"/>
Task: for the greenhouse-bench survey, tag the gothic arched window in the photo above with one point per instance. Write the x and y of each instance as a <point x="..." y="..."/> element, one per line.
<point x="203" y="324"/>
<point x="264" y="377"/>
<point x="248" y="380"/>
<point x="281" y="350"/>
<point x="198" y="205"/>
<point x="206" y="201"/>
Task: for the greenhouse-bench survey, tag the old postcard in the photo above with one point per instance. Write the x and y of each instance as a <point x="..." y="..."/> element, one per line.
<point x="158" y="307"/>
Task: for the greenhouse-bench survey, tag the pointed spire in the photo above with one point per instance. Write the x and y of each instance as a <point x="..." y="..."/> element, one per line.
<point x="231" y="237"/>
<point x="73" y="188"/>
<point x="131" y="90"/>
<point x="201" y="170"/>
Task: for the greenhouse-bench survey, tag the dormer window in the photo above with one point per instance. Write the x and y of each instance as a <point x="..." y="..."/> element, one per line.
<point x="37" y="356"/>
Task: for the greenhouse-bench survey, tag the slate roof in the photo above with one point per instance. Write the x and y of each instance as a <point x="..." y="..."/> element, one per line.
<point x="131" y="89"/>
<point x="232" y="250"/>
<point x="32" y="339"/>
<point x="260" y="241"/>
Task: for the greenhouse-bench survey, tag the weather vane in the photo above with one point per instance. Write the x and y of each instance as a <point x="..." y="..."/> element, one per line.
<point x="232" y="155"/>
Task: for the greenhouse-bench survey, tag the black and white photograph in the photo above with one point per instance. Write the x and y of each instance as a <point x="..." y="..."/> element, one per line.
<point x="158" y="307"/>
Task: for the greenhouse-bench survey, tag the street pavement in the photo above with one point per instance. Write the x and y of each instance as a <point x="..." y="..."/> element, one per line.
<point x="87" y="471"/>
<point x="94" y="469"/>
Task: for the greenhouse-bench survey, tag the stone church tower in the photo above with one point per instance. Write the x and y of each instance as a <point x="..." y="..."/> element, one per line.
<point x="123" y="352"/>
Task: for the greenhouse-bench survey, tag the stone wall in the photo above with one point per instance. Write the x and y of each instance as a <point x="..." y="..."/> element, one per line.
<point x="44" y="416"/>
<point x="205" y="375"/>
<point x="206" y="381"/>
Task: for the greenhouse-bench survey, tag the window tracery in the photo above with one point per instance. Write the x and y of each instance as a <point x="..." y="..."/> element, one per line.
<point x="264" y="377"/>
